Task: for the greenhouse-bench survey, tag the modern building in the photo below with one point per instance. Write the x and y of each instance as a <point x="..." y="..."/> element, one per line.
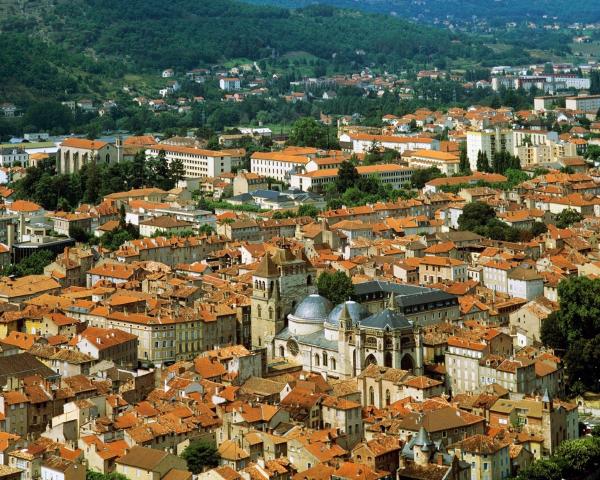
<point x="584" y="103"/>
<point x="196" y="162"/>
<point x="488" y="142"/>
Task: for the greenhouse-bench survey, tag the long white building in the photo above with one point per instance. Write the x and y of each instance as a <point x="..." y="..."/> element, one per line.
<point x="197" y="162"/>
<point x="387" y="173"/>
<point x="363" y="142"/>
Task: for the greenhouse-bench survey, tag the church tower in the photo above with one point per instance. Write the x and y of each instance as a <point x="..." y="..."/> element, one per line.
<point x="265" y="314"/>
<point x="345" y="333"/>
<point x="278" y="284"/>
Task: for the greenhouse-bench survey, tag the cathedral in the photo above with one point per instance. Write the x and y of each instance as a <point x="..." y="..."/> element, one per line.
<point x="383" y="327"/>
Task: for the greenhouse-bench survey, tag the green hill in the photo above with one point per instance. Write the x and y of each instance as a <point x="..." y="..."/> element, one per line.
<point x="154" y="34"/>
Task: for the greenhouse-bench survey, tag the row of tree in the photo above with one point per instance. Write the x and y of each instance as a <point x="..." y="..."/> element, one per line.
<point x="42" y="184"/>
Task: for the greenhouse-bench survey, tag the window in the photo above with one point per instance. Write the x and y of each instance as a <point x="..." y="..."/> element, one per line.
<point x="324" y="359"/>
<point x="317" y="360"/>
<point x="371" y="396"/>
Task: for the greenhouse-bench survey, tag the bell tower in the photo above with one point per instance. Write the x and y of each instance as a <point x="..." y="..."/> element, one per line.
<point x="266" y="316"/>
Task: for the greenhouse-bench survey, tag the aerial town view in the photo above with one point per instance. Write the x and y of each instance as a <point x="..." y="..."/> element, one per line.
<point x="299" y="240"/>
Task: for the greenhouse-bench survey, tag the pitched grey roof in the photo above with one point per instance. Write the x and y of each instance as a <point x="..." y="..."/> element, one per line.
<point x="392" y="319"/>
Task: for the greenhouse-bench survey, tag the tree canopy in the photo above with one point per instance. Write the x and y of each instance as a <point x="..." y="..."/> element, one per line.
<point x="200" y="456"/>
<point x="574" y="331"/>
<point x="337" y="287"/>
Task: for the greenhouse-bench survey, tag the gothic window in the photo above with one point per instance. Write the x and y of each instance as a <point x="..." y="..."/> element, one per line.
<point x="333" y="364"/>
<point x="270" y="313"/>
<point x="371" y="396"/>
<point x="387" y="398"/>
<point x="293" y="347"/>
<point x="371" y="342"/>
<point x="317" y="360"/>
<point x="259" y="311"/>
<point x="324" y="359"/>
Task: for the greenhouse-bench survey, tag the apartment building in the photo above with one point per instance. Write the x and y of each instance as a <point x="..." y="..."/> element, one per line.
<point x="585" y="103"/>
<point x="433" y="269"/>
<point x="364" y="142"/>
<point x="488" y="142"/>
<point x="196" y="162"/>
<point x="280" y="165"/>
<point x="447" y="163"/>
<point x="388" y="174"/>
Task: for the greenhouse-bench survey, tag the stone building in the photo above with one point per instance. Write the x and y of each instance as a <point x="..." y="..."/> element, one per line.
<point x="279" y="283"/>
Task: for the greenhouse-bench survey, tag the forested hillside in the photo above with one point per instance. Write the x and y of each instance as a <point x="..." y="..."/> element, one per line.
<point x="188" y="33"/>
<point x="494" y="12"/>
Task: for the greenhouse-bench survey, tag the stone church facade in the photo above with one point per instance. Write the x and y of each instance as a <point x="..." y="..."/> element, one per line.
<point x="383" y="327"/>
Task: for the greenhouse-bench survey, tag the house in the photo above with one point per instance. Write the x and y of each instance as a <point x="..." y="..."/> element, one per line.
<point x="148" y="464"/>
<point x="489" y="457"/>
<point x="433" y="269"/>
<point x="111" y="344"/>
<point x="58" y="468"/>
<point x="164" y="225"/>
<point x="12" y="156"/>
<point x="229" y="84"/>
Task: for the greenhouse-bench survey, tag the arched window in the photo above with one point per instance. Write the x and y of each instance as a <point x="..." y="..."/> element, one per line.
<point x="281" y="351"/>
<point x="388" y="398"/>
<point x="371" y="396"/>
<point x="309" y="280"/>
<point x="333" y="364"/>
<point x="259" y="311"/>
<point x="324" y="359"/>
<point x="317" y="360"/>
<point x="270" y="313"/>
<point x="107" y="158"/>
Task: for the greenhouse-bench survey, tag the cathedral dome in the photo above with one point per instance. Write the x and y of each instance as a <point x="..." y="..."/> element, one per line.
<point x="356" y="310"/>
<point x="313" y="309"/>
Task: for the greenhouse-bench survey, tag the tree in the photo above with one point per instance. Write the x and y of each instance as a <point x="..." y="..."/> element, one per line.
<point x="474" y="215"/>
<point x="575" y="330"/>
<point x="92" y="184"/>
<point x="568" y="217"/>
<point x="139" y="170"/>
<point x="200" y="456"/>
<point x="423" y="175"/>
<point x="464" y="166"/>
<point x="78" y="234"/>
<point x="337" y="287"/>
<point x="206" y="229"/>
<point x="308" y="132"/>
<point x="307" y="211"/>
<point x="595" y="82"/>
<point x="176" y="172"/>
<point x="347" y="176"/>
<point x="483" y="164"/>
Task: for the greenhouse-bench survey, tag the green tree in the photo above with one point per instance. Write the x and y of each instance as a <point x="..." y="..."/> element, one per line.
<point x="206" y="229"/>
<point x="337" y="287"/>
<point x="575" y="330"/>
<point x="308" y="132"/>
<point x="308" y="211"/>
<point x="464" y="167"/>
<point x="92" y="184"/>
<point x="567" y="217"/>
<point x="423" y="175"/>
<point x="595" y="82"/>
<point x="347" y="176"/>
<point x="474" y="215"/>
<point x="176" y="172"/>
<point x="78" y="234"/>
<point x="483" y="164"/>
<point x="139" y="170"/>
<point x="200" y="456"/>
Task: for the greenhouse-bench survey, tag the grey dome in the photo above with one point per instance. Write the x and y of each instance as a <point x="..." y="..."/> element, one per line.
<point x="356" y="310"/>
<point x="313" y="308"/>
